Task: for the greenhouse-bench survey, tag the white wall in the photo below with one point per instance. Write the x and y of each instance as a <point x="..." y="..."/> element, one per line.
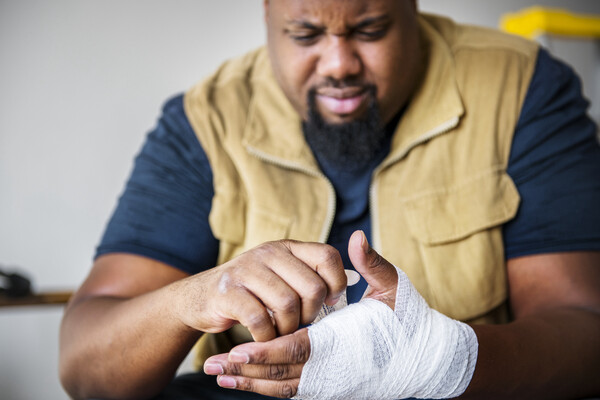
<point x="81" y="82"/>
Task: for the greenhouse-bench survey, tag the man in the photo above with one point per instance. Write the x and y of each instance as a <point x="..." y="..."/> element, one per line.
<point x="466" y="157"/>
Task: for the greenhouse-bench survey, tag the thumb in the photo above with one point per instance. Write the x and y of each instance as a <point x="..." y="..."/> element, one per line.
<point x="380" y="274"/>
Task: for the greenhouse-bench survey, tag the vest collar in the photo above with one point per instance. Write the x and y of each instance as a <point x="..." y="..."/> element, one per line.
<point x="436" y="107"/>
<point x="274" y="130"/>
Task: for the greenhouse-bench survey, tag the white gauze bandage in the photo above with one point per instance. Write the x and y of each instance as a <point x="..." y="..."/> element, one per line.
<point x="368" y="351"/>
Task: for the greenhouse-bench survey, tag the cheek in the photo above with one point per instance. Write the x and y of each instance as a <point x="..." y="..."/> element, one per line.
<point x="393" y="75"/>
<point x="297" y="75"/>
<point x="381" y="69"/>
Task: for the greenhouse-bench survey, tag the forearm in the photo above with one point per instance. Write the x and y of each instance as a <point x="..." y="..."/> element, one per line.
<point x="122" y="348"/>
<point x="552" y="355"/>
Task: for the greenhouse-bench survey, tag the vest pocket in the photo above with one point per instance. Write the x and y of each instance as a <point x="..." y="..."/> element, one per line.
<point x="458" y="231"/>
<point x="239" y="226"/>
<point x="226" y="217"/>
<point x="264" y="226"/>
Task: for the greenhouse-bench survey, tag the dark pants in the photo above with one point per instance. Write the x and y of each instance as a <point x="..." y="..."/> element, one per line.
<point x="197" y="386"/>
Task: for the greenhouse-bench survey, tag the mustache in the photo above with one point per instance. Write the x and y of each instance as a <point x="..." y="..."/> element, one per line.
<point x="343" y="83"/>
<point x="311" y="97"/>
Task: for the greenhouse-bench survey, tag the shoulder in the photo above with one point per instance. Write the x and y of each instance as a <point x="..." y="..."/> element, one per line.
<point x="173" y="137"/>
<point x="471" y="38"/>
<point x="231" y="83"/>
<point x="485" y="62"/>
<point x="555" y="164"/>
<point x="221" y="104"/>
<point x="554" y="86"/>
<point x="554" y="114"/>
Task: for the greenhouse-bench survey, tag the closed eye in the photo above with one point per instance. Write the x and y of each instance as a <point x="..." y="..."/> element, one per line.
<point x="371" y="34"/>
<point x="305" y="38"/>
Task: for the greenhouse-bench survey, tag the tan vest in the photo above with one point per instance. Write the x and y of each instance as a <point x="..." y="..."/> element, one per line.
<point x="439" y="199"/>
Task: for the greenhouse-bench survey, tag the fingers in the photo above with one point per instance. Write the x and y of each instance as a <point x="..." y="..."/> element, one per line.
<point x="292" y="280"/>
<point x="327" y="262"/>
<point x="300" y="275"/>
<point x="289" y="349"/>
<point x="377" y="271"/>
<point x="219" y="365"/>
<point x="251" y="313"/>
<point x="271" y="289"/>
<point x="279" y="297"/>
<point x="283" y="389"/>
<point x="249" y="358"/>
<point x="272" y="368"/>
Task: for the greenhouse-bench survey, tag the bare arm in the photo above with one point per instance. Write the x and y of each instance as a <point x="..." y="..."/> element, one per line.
<point x="113" y="336"/>
<point x="133" y="320"/>
<point x="552" y="349"/>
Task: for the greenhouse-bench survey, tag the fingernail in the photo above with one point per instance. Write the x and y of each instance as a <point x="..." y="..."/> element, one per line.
<point x="213" y="369"/>
<point x="226" y="382"/>
<point x="237" y="357"/>
<point x="352" y="276"/>
<point x="364" y="242"/>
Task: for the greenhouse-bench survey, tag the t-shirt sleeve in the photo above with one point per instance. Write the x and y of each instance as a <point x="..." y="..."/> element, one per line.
<point x="163" y="211"/>
<point x="555" y="164"/>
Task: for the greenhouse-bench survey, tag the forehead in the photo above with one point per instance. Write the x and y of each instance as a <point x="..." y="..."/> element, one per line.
<point x="332" y="12"/>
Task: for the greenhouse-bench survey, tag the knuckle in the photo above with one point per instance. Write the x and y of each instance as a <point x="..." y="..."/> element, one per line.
<point x="290" y="304"/>
<point x="256" y="319"/>
<point x="260" y="357"/>
<point x="277" y="372"/>
<point x="245" y="385"/>
<point x="317" y="291"/>
<point x="331" y="256"/>
<point x="286" y="390"/>
<point x="298" y="351"/>
<point x="234" y="369"/>
<point x="287" y="243"/>
<point x="377" y="260"/>
<point x="267" y="249"/>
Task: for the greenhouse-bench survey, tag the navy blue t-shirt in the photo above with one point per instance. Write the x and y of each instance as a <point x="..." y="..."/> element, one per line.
<point x="554" y="162"/>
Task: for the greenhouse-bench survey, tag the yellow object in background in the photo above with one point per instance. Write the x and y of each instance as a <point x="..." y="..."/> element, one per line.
<point x="536" y="21"/>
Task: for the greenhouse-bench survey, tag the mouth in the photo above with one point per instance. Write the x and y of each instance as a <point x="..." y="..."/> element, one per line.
<point x="342" y="101"/>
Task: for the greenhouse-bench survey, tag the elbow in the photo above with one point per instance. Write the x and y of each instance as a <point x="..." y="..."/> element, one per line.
<point x="69" y="381"/>
<point x="80" y="383"/>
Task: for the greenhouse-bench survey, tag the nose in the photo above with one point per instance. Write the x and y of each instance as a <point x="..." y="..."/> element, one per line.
<point x="338" y="59"/>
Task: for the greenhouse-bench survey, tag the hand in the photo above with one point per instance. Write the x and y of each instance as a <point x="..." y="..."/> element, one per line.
<point x="274" y="368"/>
<point x="271" y="289"/>
<point x="271" y="368"/>
<point x="379" y="273"/>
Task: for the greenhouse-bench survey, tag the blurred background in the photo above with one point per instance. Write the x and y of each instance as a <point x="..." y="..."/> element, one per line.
<point x="81" y="83"/>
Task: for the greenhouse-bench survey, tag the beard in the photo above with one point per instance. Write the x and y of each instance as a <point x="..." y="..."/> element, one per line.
<point x="351" y="145"/>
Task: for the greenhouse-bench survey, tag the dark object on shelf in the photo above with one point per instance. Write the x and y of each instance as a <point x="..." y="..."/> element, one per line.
<point x="14" y="285"/>
<point x="16" y="290"/>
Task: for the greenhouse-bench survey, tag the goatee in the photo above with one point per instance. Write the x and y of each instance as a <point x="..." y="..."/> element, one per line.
<point x="352" y="145"/>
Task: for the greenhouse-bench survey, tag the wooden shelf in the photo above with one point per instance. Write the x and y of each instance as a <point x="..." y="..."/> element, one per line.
<point x="44" y="298"/>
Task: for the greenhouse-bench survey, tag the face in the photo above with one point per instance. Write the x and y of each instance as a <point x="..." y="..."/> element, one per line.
<point x="349" y="53"/>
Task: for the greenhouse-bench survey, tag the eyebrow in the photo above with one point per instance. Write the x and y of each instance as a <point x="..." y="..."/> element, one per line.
<point x="303" y="24"/>
<point x="360" y="25"/>
<point x="371" y="21"/>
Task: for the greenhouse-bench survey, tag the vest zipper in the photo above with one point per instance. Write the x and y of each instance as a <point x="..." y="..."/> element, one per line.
<point x="297" y="167"/>
<point x="440" y="130"/>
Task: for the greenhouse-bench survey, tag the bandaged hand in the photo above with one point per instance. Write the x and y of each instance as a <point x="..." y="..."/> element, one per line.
<point x="390" y="345"/>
